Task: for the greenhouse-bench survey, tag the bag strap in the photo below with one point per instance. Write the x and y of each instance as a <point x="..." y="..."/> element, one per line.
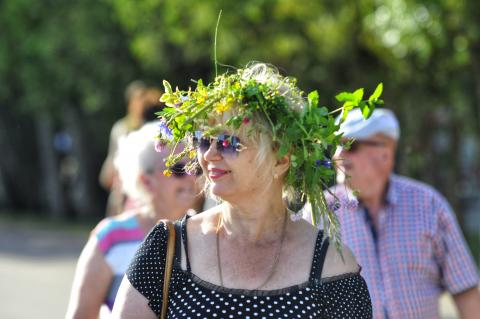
<point x="168" y="267"/>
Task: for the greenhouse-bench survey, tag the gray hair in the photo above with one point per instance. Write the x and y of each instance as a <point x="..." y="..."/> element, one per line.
<point x="136" y="155"/>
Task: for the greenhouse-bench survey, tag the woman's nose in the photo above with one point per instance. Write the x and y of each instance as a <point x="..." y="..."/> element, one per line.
<point x="212" y="154"/>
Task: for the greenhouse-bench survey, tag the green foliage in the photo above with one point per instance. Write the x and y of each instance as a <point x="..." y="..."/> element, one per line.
<point x="57" y="53"/>
<point x="54" y="53"/>
<point x="258" y="98"/>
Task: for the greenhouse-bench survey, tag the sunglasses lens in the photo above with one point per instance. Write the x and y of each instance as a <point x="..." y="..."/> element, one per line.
<point x="203" y="144"/>
<point x="227" y="145"/>
<point x="200" y="142"/>
<point x="353" y="147"/>
<point x="178" y="170"/>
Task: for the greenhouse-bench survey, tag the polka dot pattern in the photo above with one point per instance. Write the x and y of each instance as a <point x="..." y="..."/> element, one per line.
<point x="343" y="296"/>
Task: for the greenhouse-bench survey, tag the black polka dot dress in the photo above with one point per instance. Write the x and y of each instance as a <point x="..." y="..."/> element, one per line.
<point x="345" y="296"/>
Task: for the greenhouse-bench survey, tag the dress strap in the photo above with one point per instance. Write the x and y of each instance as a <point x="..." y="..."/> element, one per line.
<point x="178" y="243"/>
<point x="321" y="247"/>
<point x="185" y="241"/>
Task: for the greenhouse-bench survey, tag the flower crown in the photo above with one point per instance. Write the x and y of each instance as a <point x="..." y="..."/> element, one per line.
<point x="298" y="126"/>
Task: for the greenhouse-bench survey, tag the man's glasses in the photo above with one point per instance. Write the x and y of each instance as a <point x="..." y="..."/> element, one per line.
<point x="355" y="145"/>
<point x="224" y="144"/>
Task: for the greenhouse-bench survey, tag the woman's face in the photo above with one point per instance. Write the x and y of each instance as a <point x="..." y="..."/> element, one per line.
<point x="233" y="176"/>
<point x="175" y="193"/>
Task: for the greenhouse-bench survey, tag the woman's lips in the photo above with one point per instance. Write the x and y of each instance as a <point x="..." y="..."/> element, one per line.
<point x="215" y="173"/>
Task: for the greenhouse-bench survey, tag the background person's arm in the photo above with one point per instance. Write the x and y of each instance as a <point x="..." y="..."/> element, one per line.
<point x="458" y="268"/>
<point x="468" y="303"/>
<point x="93" y="278"/>
<point x="107" y="173"/>
<point x="130" y="304"/>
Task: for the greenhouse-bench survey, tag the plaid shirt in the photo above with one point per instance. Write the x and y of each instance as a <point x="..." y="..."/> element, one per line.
<point x="417" y="252"/>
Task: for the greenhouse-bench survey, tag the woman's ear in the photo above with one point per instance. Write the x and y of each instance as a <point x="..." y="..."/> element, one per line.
<point x="281" y="165"/>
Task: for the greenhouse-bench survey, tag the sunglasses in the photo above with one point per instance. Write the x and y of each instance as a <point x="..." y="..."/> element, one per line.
<point x="355" y="145"/>
<point x="178" y="170"/>
<point x="224" y="144"/>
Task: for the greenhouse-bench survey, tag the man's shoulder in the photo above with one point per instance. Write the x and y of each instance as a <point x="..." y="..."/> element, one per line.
<point x="404" y="184"/>
<point x="120" y="127"/>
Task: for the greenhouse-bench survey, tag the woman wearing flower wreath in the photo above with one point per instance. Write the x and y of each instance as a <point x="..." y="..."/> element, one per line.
<point x="257" y="140"/>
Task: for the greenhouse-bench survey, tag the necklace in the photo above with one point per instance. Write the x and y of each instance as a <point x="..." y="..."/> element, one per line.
<point x="275" y="261"/>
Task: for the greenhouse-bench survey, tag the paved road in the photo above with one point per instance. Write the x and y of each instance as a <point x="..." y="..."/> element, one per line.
<point x="37" y="267"/>
<point x="36" y="270"/>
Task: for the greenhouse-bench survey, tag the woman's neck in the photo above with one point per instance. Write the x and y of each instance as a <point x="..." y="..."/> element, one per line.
<point x="376" y="200"/>
<point x="254" y="221"/>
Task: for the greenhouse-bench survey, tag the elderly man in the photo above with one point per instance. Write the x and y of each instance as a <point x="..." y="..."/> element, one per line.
<point x="403" y="232"/>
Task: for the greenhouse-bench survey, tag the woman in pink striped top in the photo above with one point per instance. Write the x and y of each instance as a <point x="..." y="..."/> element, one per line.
<point x="114" y="241"/>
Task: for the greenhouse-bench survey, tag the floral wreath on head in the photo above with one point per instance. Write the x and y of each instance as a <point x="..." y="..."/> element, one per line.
<point x="299" y="127"/>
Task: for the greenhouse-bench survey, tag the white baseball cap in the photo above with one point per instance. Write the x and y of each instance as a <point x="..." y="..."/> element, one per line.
<point x="382" y="121"/>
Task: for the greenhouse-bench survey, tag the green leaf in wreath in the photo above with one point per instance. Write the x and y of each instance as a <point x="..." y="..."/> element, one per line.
<point x="376" y="94"/>
<point x="358" y="95"/>
<point x="344" y="97"/>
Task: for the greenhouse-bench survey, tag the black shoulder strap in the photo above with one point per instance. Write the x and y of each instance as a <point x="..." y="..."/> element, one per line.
<point x="185" y="240"/>
<point x="320" y="252"/>
<point x="178" y="243"/>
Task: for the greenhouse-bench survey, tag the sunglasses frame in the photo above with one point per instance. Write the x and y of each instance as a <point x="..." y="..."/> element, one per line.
<point x="225" y="144"/>
<point x="355" y="145"/>
<point x="178" y="170"/>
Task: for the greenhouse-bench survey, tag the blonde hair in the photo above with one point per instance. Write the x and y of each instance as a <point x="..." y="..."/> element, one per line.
<point x="262" y="136"/>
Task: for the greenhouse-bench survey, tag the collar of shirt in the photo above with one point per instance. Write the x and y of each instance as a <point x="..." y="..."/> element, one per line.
<point x="391" y="195"/>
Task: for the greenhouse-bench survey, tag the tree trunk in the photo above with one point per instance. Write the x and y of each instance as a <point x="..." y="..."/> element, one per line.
<point x="84" y="188"/>
<point x="52" y="191"/>
<point x="19" y="177"/>
<point x="4" y="198"/>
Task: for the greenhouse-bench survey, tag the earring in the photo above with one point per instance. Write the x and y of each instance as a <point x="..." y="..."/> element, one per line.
<point x="275" y="176"/>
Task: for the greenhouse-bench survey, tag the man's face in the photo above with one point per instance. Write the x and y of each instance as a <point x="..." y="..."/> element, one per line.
<point x="367" y="163"/>
<point x="136" y="104"/>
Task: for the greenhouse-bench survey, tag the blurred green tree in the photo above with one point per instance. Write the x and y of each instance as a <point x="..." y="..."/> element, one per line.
<point x="423" y="50"/>
<point x="63" y="66"/>
<point x="58" y="56"/>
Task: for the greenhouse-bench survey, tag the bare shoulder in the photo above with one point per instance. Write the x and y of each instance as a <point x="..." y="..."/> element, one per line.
<point x="339" y="262"/>
<point x="130" y="303"/>
<point x="302" y="228"/>
<point x="205" y="221"/>
<point x="303" y="238"/>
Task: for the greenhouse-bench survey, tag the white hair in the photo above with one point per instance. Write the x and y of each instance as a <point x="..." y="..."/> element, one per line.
<point x="136" y="155"/>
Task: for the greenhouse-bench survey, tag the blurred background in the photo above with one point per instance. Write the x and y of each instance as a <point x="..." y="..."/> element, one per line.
<point x="64" y="66"/>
